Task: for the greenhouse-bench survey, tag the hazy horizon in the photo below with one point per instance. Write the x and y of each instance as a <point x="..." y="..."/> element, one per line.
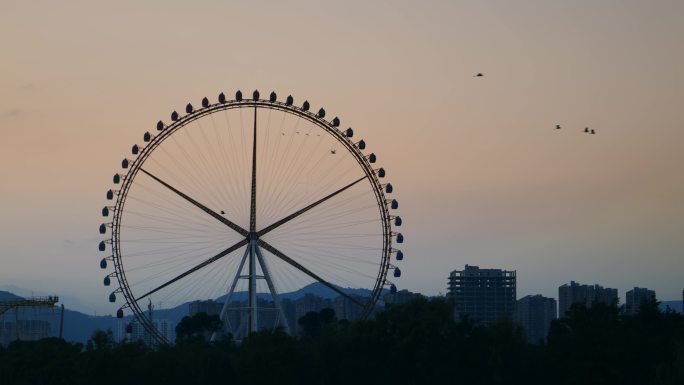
<point x="480" y="172"/>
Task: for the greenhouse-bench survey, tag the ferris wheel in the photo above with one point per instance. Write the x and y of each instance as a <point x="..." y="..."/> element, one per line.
<point x="243" y="200"/>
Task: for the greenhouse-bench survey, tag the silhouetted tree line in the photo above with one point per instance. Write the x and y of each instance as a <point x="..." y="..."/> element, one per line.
<point x="414" y="343"/>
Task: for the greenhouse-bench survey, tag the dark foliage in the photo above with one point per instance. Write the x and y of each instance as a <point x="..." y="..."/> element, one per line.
<point x="597" y="345"/>
<point x="414" y="343"/>
<point x="198" y="328"/>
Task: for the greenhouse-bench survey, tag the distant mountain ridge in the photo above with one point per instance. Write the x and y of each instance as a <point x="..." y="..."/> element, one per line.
<point x="79" y="327"/>
<point x="316" y="288"/>
<point x="7" y="296"/>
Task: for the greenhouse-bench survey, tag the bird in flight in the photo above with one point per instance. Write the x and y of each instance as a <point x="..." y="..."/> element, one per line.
<point x="333" y="151"/>
<point x="478" y="75"/>
<point x="558" y="127"/>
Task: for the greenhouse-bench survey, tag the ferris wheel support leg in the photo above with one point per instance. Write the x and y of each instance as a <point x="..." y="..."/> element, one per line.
<point x="224" y="309"/>
<point x="272" y="289"/>
<point x="253" y="322"/>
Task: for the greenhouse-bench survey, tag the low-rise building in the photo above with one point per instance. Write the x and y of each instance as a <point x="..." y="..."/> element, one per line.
<point x="209" y="306"/>
<point x="133" y="331"/>
<point x="399" y="297"/>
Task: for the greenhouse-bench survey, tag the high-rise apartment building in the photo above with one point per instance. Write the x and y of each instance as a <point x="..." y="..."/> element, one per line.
<point x="346" y="309"/>
<point x="486" y="295"/>
<point x="535" y="313"/>
<point x="587" y="294"/>
<point x="636" y="297"/>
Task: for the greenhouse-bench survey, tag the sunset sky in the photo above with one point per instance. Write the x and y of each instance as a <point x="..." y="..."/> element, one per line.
<point x="481" y="173"/>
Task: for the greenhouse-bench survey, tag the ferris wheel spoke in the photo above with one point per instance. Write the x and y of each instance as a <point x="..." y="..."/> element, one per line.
<point x="306" y="271"/>
<point x="252" y="212"/>
<point x="307" y="208"/>
<point x="204" y="208"/>
<point x="195" y="268"/>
